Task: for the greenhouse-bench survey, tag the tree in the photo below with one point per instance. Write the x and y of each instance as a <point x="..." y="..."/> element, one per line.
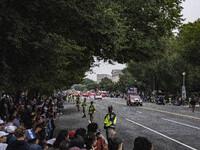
<point x="189" y="39"/>
<point x="106" y="84"/>
<point x="48" y="45"/>
<point x="92" y="85"/>
<point x="87" y="81"/>
<point x="148" y="21"/>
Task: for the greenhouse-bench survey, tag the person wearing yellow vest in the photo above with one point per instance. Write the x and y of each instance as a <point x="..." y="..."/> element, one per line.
<point x="91" y="111"/>
<point x="84" y="105"/>
<point x="110" y="120"/>
<point x="190" y="99"/>
<point x="170" y="100"/>
<point x="78" y="103"/>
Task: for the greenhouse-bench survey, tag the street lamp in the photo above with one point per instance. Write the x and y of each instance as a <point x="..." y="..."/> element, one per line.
<point x="183" y="88"/>
<point x="183" y="78"/>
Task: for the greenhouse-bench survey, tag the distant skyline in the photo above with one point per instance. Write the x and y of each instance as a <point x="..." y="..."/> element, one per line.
<point x="190" y="12"/>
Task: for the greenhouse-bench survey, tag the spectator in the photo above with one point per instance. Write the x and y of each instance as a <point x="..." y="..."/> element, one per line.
<point x="3" y="138"/>
<point x="34" y="144"/>
<point x="13" y="113"/>
<point x="92" y="127"/>
<point x="71" y="135"/>
<point x="116" y="144"/>
<point x="64" y="145"/>
<point x="81" y="132"/>
<point x="100" y="145"/>
<point x="77" y="142"/>
<point x="91" y="141"/>
<point x="62" y="136"/>
<point x="40" y="130"/>
<point x="142" y="143"/>
<point x="20" y="143"/>
<point x="52" y="126"/>
<point x="33" y="120"/>
<point x="10" y="137"/>
<point x="3" y="108"/>
<point x="10" y="122"/>
<point x="1" y="125"/>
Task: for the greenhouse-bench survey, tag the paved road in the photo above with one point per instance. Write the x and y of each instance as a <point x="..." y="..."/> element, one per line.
<point x="168" y="127"/>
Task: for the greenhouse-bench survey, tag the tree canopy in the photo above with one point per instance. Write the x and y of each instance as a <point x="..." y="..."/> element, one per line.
<point x="47" y="45"/>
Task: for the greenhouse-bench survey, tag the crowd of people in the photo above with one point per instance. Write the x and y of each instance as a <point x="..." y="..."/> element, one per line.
<point x="30" y="124"/>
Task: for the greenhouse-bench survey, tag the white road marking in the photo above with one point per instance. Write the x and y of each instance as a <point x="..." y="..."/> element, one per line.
<point x="182" y="123"/>
<point x="89" y="121"/>
<point x="161" y="134"/>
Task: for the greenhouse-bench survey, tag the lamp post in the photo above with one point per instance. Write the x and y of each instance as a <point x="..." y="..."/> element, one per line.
<point x="183" y="78"/>
<point x="183" y="88"/>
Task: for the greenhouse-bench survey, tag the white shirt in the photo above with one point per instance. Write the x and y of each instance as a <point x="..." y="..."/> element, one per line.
<point x="3" y="146"/>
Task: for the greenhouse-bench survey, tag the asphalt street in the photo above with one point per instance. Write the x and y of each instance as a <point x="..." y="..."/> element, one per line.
<point x="168" y="127"/>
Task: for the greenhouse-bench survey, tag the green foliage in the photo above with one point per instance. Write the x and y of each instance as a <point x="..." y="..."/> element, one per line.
<point x="106" y="85"/>
<point x="87" y="81"/>
<point x="49" y="45"/>
<point x="92" y="85"/>
<point x="164" y="74"/>
<point x="190" y="42"/>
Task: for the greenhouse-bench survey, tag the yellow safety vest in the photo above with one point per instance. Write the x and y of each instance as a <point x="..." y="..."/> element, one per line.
<point x="92" y="109"/>
<point x="84" y="104"/>
<point x="79" y="102"/>
<point x="110" y="120"/>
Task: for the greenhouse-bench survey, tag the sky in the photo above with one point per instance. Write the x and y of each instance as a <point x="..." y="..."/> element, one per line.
<point x="191" y="12"/>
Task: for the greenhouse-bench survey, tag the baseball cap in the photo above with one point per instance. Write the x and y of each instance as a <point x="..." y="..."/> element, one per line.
<point x="2" y="133"/>
<point x="10" y="129"/>
<point x="1" y="121"/>
<point x="71" y="134"/>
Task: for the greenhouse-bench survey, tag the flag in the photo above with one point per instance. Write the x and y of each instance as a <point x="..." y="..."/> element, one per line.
<point x="30" y="134"/>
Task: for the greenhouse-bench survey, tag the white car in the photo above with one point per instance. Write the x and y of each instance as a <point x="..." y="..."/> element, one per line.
<point x="98" y="96"/>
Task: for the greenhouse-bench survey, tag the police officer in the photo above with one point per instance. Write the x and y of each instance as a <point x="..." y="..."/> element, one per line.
<point x="84" y="105"/>
<point x="78" y="103"/>
<point x="91" y="111"/>
<point x="110" y="120"/>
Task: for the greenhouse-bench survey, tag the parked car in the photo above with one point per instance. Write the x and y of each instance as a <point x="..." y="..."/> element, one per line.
<point x="98" y="96"/>
<point x="134" y="99"/>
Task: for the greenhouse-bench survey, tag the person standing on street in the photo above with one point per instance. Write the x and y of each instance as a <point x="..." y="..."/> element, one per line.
<point x="193" y="103"/>
<point x="84" y="105"/>
<point x="91" y="111"/>
<point x="78" y="103"/>
<point x="110" y="120"/>
<point x="170" y="100"/>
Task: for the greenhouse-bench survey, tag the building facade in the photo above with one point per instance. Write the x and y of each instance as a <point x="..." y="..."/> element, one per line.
<point x="116" y="74"/>
<point x="114" y="77"/>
